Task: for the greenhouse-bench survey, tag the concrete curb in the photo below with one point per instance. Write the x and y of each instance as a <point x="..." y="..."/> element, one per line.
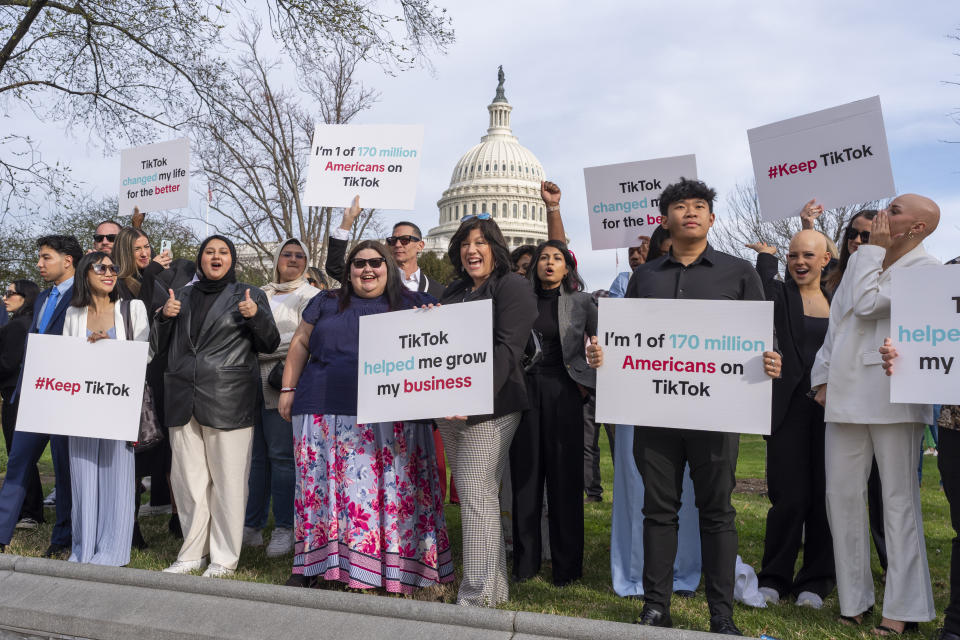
<point x="53" y="597"/>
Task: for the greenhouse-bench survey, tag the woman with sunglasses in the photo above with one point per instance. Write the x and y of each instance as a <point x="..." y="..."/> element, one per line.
<point x="477" y="446"/>
<point x="272" y="473"/>
<point x="18" y="299"/>
<point x="368" y="507"/>
<point x="102" y="471"/>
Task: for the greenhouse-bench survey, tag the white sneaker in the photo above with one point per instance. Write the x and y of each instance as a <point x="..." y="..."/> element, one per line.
<point x="809" y="599"/>
<point x="186" y="566"/>
<point x="770" y="595"/>
<point x="51" y="499"/>
<point x="281" y="543"/>
<point x="27" y="523"/>
<point x="252" y="537"/>
<point x="217" y="571"/>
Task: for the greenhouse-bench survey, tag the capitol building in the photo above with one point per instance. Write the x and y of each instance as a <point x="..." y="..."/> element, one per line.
<point x="499" y="177"/>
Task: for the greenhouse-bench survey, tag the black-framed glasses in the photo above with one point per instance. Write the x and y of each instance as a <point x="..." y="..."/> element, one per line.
<point x="478" y="216"/>
<point x="99" y="268"/>
<point x="853" y="233"/>
<point x="404" y="240"/>
<point x="360" y="263"/>
<point x="100" y="237"/>
<point x="11" y="292"/>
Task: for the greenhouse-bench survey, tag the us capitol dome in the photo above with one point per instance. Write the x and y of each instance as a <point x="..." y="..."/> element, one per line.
<point x="499" y="176"/>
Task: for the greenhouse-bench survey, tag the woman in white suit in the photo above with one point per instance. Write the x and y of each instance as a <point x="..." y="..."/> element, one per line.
<point x="862" y="423"/>
<point x="102" y="471"/>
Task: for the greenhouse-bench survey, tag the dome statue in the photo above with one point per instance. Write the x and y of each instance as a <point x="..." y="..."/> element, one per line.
<point x="500" y="177"/>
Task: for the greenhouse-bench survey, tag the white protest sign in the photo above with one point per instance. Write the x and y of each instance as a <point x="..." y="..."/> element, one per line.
<point x="155" y="177"/>
<point x="925" y="328"/>
<point x="72" y="387"/>
<point x="838" y="156"/>
<point x="623" y="199"/>
<point x="378" y="162"/>
<point x="426" y="363"/>
<point x="691" y="364"/>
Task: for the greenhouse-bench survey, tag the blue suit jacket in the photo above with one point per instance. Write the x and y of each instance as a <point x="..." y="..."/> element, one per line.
<point x="55" y="327"/>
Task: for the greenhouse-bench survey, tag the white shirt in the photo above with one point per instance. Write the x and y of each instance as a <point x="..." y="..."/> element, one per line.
<point x="413" y="281"/>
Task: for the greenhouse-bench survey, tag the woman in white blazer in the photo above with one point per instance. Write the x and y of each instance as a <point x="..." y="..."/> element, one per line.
<point x="862" y="423"/>
<point x="102" y="471"/>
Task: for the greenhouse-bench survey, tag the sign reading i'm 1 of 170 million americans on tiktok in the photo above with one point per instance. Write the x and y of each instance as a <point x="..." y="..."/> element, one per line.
<point x="690" y="364"/>
<point x="378" y="162"/>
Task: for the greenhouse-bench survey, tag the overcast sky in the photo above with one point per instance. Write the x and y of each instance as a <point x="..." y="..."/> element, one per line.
<point x="604" y="82"/>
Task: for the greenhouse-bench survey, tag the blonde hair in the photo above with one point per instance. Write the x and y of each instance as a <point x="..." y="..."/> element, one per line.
<point x="125" y="260"/>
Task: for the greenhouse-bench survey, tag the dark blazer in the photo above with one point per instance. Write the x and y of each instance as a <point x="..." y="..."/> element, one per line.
<point x="577" y="315"/>
<point x="788" y="327"/>
<point x="335" y="267"/>
<point x="13" y="346"/>
<point x="216" y="380"/>
<point x="514" y="312"/>
<point x="55" y="327"/>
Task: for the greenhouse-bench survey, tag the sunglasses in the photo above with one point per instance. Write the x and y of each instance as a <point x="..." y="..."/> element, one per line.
<point x="404" y="240"/>
<point x="853" y="233"/>
<point x="100" y="269"/>
<point x="8" y="293"/>
<point x="360" y="263"/>
<point x="293" y="256"/>
<point x="478" y="216"/>
<point x="100" y="237"/>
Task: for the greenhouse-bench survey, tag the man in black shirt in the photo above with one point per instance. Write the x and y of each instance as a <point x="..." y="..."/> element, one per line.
<point x="692" y="269"/>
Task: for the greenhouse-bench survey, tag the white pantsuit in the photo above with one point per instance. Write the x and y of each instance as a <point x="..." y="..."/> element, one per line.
<point x="863" y="423"/>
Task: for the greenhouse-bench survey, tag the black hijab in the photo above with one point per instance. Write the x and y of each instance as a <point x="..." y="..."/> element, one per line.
<point x="209" y="289"/>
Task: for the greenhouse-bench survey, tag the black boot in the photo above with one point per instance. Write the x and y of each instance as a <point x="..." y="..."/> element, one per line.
<point x="138" y="541"/>
<point x="174" y="527"/>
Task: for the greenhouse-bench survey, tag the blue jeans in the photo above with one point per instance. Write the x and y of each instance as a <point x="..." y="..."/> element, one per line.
<point x="272" y="471"/>
<point x="24" y="454"/>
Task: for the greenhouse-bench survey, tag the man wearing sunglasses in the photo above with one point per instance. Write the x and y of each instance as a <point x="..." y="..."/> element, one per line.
<point x="105" y="235"/>
<point x="405" y="243"/>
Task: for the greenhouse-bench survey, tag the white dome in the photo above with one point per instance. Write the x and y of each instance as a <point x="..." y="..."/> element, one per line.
<point x="499" y="176"/>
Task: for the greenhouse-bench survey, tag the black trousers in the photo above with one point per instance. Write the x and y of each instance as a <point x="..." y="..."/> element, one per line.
<point x="796" y="483"/>
<point x="661" y="455"/>
<point x="548" y="445"/>
<point x="33" y="499"/>
<point x="948" y="461"/>
<point x="591" y="449"/>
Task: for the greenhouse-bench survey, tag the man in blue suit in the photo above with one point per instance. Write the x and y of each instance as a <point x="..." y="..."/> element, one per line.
<point x="59" y="256"/>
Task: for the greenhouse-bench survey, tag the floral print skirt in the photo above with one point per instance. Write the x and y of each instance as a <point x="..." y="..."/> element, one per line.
<point x="368" y="508"/>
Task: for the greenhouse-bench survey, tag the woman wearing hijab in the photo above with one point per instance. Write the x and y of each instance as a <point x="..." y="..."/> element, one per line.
<point x="212" y="332"/>
<point x="272" y="472"/>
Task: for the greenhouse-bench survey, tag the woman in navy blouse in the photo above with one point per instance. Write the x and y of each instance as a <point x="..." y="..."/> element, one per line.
<point x="368" y="508"/>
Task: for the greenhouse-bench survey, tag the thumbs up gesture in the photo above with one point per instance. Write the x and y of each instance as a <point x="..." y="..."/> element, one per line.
<point x="247" y="307"/>
<point x="171" y="308"/>
<point x="594" y="353"/>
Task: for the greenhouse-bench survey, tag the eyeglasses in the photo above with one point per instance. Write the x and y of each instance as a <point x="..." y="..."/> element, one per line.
<point x="478" y="216"/>
<point x="10" y="292"/>
<point x="100" y="269"/>
<point x="853" y="233"/>
<point x="360" y="263"/>
<point x="100" y="237"/>
<point x="404" y="240"/>
<point x="293" y="256"/>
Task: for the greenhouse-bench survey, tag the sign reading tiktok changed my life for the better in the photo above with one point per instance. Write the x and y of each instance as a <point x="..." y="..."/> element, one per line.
<point x="426" y="363"/>
<point x="690" y="364"/>
<point x="623" y="200"/>
<point x="925" y="329"/>
<point x="155" y="177"/>
<point x="378" y="162"/>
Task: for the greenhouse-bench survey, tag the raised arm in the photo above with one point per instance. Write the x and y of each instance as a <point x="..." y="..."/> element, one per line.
<point x="550" y="194"/>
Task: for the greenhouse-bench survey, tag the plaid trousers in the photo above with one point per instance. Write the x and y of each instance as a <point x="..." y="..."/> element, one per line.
<point x="477" y="455"/>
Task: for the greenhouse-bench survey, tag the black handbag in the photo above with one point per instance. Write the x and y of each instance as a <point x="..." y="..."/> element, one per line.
<point x="151" y="434"/>
<point x="532" y="353"/>
<point x="275" y="377"/>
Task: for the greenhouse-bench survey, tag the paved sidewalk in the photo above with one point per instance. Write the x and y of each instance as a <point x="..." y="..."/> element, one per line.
<point x="54" y="599"/>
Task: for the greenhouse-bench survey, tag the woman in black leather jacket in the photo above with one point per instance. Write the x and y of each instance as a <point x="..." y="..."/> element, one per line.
<point x="212" y="332"/>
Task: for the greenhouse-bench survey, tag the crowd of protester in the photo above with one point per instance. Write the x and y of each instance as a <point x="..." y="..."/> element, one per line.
<point x="256" y="392"/>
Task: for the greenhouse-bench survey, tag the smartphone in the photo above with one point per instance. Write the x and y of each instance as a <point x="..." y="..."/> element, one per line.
<point x="167" y="246"/>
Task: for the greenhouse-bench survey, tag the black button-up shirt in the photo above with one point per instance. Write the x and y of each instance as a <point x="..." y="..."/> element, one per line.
<point x="714" y="275"/>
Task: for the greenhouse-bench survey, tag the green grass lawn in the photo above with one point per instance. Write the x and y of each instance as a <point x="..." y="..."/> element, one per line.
<point x="593" y="596"/>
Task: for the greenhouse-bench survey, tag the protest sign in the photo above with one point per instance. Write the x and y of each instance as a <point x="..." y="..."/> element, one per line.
<point x="378" y="162"/>
<point x="426" y="363"/>
<point x="838" y="156"/>
<point x="691" y="364"/>
<point x="72" y="387"/>
<point x="623" y="199"/>
<point x="925" y="328"/>
<point x="155" y="177"/>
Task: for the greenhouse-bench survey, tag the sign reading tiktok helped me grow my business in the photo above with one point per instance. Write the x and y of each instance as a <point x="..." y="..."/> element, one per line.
<point x="925" y="328"/>
<point x="838" y="156"/>
<point x="623" y="200"/>
<point x="426" y="363"/>
<point x="155" y="177"/>
<point x="378" y="162"/>
<point x="690" y="364"/>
